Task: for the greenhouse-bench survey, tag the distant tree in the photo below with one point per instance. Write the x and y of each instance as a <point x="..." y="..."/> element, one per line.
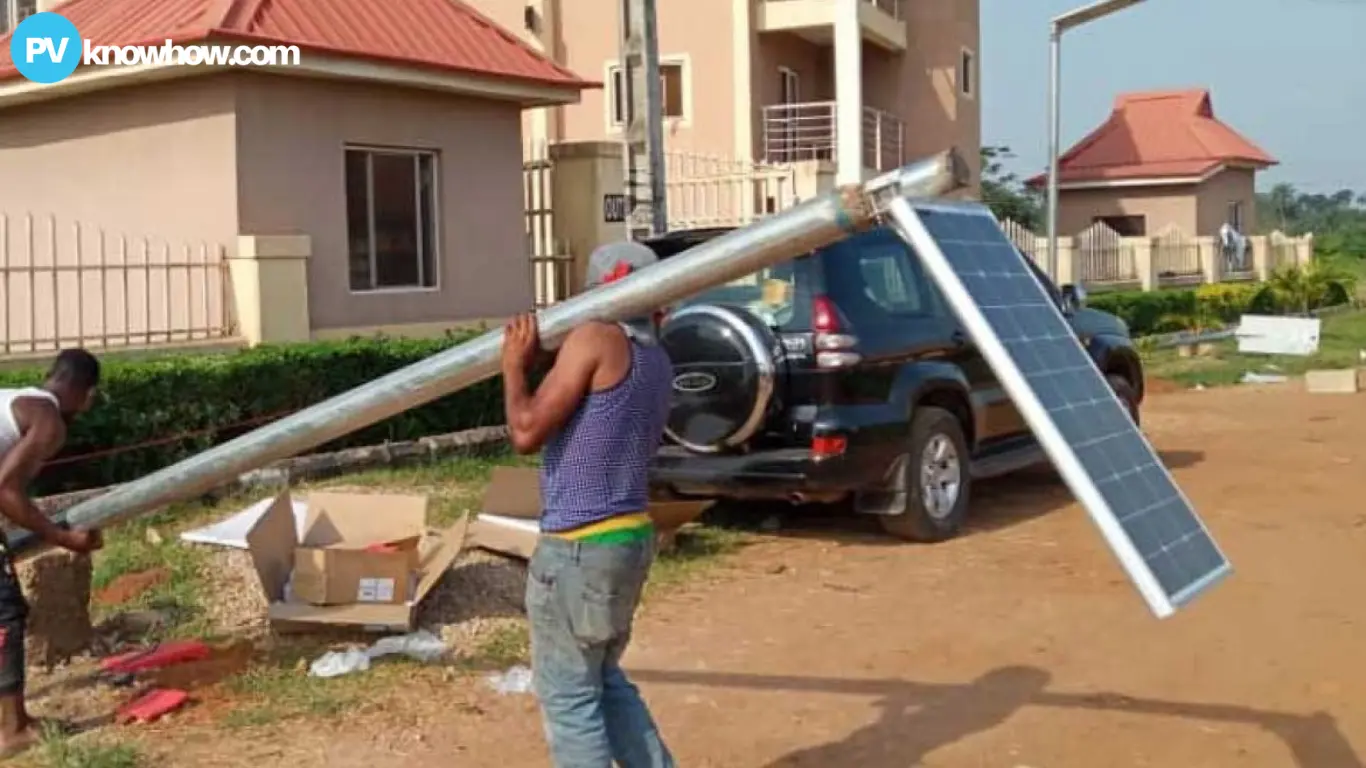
<point x="1338" y="221"/>
<point x="1005" y="194"/>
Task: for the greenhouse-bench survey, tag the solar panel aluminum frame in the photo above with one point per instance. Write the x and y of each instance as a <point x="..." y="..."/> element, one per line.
<point x="906" y="221"/>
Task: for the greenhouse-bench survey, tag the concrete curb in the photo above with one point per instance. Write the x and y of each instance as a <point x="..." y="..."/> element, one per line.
<point x="471" y="442"/>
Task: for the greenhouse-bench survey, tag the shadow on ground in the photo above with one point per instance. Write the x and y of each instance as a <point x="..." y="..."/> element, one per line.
<point x="918" y="718"/>
<point x="996" y="503"/>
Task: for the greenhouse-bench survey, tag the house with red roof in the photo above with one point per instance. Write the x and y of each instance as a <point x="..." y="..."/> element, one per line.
<point x="394" y="143"/>
<point x="1161" y="160"/>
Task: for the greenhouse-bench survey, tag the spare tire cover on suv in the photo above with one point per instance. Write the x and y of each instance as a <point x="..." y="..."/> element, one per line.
<point x="724" y="369"/>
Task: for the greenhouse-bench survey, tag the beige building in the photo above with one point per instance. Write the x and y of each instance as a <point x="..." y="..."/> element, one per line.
<point x="863" y="84"/>
<point x="390" y="154"/>
<point x="1161" y="162"/>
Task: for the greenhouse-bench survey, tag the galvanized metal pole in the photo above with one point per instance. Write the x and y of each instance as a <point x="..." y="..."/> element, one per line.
<point x="780" y="237"/>
<point x="644" y="119"/>
<point x="1054" y="139"/>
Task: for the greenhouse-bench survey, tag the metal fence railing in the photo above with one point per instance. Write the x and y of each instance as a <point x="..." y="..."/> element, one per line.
<point x="71" y="284"/>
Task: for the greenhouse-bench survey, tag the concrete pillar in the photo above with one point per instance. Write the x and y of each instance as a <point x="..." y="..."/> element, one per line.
<point x="848" y="93"/>
<point x="1261" y="256"/>
<point x="742" y="74"/>
<point x="585" y="174"/>
<point x="270" y="287"/>
<point x="1067" y="261"/>
<point x="812" y="178"/>
<point x="1145" y="266"/>
<point x="1211" y="261"/>
<point x="1304" y="250"/>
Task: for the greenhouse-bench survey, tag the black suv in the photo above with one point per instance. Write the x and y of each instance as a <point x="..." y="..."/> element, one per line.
<point x="844" y="375"/>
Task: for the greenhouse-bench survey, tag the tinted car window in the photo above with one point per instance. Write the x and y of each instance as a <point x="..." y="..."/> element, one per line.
<point x="875" y="278"/>
<point x="777" y="295"/>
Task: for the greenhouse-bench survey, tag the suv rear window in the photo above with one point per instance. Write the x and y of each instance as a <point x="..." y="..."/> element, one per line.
<point x="772" y="294"/>
<point x="874" y="277"/>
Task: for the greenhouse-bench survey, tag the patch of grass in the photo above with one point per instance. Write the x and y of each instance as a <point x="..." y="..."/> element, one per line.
<point x="695" y="548"/>
<point x="505" y="646"/>
<point x="1342" y="339"/>
<point x="133" y="548"/>
<point x="59" y="751"/>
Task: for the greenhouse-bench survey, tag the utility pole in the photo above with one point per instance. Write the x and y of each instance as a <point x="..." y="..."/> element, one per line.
<point x="644" y="119"/>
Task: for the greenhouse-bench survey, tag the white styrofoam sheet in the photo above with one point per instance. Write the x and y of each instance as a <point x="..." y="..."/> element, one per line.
<point x="1270" y="335"/>
<point x="232" y="531"/>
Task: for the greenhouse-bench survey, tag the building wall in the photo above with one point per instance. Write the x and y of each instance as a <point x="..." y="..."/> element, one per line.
<point x="1163" y="207"/>
<point x="154" y="161"/>
<point x="1232" y="185"/>
<point x="584" y="36"/>
<point x="921" y="85"/>
<point x="291" y="139"/>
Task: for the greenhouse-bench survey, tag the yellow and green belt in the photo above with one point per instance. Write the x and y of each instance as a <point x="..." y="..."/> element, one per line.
<point x="622" y="529"/>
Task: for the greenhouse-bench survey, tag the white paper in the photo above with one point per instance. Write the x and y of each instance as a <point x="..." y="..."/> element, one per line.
<point x="1270" y="335"/>
<point x="232" y="531"/>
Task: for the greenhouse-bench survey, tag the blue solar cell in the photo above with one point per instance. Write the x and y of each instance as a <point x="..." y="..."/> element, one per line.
<point x="1164" y="541"/>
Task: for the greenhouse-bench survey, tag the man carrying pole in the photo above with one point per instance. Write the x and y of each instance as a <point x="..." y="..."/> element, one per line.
<point x="600" y="414"/>
<point x="33" y="425"/>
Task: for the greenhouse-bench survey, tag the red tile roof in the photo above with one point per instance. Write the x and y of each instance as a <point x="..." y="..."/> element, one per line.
<point x="441" y="35"/>
<point x="1157" y="134"/>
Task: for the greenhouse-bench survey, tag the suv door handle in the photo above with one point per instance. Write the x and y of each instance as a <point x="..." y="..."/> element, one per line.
<point x="959" y="338"/>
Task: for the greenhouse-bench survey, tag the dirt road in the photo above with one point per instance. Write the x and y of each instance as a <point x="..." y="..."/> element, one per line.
<point x="1019" y="645"/>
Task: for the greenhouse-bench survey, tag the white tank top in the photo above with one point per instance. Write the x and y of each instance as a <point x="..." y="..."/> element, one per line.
<point x="9" y="426"/>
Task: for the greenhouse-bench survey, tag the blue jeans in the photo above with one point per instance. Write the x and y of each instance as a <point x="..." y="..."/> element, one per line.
<point x="580" y="600"/>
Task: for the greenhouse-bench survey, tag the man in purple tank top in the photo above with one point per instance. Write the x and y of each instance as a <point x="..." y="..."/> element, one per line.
<point x="599" y="415"/>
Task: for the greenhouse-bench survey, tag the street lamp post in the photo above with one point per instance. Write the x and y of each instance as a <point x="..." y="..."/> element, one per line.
<point x="1060" y="24"/>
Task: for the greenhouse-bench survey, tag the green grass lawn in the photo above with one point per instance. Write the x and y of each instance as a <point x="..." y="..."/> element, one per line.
<point x="1342" y="339"/>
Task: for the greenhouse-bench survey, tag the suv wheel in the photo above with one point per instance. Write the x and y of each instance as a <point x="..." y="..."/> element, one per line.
<point x="1126" y="394"/>
<point x="937" y="479"/>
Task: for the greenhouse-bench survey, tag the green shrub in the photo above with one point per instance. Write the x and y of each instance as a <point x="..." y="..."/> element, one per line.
<point x="178" y="406"/>
<point x="1169" y="310"/>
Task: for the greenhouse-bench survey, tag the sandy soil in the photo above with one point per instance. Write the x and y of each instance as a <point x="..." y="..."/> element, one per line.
<point x="1020" y="645"/>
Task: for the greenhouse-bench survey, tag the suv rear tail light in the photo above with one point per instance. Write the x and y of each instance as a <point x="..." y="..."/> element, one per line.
<point x="833" y="349"/>
<point x="827" y="446"/>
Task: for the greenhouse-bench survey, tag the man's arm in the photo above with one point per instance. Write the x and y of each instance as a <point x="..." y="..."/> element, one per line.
<point x="44" y="437"/>
<point x="533" y="417"/>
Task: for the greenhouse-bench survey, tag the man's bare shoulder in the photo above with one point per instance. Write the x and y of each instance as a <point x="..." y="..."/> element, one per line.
<point x="32" y="412"/>
<point x="595" y="338"/>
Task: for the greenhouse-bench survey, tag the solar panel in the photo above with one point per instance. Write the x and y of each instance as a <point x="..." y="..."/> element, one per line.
<point x="1102" y="456"/>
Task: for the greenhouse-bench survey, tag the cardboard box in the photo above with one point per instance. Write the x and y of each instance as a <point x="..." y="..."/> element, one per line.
<point x="509" y="521"/>
<point x="363" y="560"/>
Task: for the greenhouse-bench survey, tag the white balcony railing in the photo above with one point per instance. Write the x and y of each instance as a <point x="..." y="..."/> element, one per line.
<point x="796" y="132"/>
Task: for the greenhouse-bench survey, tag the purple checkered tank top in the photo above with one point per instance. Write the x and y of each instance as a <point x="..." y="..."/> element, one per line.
<point x="597" y="465"/>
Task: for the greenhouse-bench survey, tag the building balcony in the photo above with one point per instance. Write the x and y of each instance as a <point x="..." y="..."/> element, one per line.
<point x="797" y="132"/>
<point x="882" y="22"/>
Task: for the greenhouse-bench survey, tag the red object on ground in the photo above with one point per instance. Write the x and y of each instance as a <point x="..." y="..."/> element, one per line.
<point x="160" y="655"/>
<point x="151" y="705"/>
<point x="381" y="549"/>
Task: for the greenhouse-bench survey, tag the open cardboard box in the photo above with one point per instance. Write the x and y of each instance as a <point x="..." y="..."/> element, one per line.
<point x="510" y="519"/>
<point x="363" y="560"/>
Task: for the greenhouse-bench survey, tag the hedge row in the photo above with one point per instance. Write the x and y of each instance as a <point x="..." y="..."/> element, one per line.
<point x="1169" y="310"/>
<point x="187" y="403"/>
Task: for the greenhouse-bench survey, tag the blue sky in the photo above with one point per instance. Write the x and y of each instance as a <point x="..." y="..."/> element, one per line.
<point x="1288" y="74"/>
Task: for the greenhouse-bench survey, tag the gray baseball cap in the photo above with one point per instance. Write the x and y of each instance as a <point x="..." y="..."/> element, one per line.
<point x="604" y="261"/>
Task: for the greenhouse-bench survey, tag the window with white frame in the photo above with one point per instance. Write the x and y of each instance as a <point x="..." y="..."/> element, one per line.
<point x="14" y="11"/>
<point x="672" y="85"/>
<point x="391" y="218"/>
<point x="967" y="73"/>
